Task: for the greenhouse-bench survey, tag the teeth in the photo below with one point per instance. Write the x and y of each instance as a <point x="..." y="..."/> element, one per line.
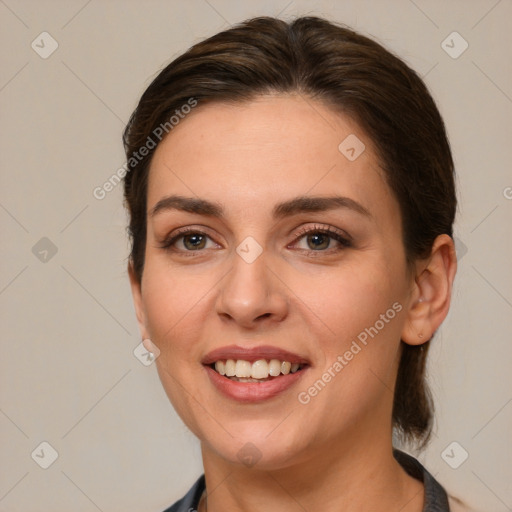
<point x="243" y="368"/>
<point x="230" y="368"/>
<point x="259" y="369"/>
<point x="274" y="367"/>
<point x="245" y="371"/>
<point x="220" y="366"/>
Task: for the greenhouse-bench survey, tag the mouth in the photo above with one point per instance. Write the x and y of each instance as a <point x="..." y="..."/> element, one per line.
<point x="253" y="374"/>
<point x="261" y="370"/>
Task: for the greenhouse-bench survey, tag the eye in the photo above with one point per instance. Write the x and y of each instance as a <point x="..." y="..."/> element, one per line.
<point x="188" y="240"/>
<point x="193" y="241"/>
<point x="321" y="239"/>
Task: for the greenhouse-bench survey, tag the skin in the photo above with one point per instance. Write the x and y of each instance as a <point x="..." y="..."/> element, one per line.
<point x="333" y="453"/>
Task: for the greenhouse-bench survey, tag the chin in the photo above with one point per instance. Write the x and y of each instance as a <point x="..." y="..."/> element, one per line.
<point x="256" y="452"/>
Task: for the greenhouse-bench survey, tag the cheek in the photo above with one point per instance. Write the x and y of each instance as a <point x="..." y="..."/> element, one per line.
<point x="363" y="312"/>
<point x="172" y="301"/>
<point x="347" y="299"/>
<point x="357" y="311"/>
<point x="171" y="304"/>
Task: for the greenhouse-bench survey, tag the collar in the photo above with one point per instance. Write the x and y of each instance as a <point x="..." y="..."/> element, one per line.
<point x="436" y="499"/>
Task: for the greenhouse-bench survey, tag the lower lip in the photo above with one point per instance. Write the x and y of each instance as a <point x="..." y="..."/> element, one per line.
<point x="253" y="391"/>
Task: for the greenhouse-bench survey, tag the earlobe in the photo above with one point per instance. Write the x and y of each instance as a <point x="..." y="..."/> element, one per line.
<point x="136" y="287"/>
<point x="432" y="289"/>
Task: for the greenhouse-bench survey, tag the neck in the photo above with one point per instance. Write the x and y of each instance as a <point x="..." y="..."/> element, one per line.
<point x="350" y="477"/>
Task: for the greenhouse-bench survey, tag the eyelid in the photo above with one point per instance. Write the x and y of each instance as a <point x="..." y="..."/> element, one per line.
<point x="341" y="236"/>
<point x="169" y="240"/>
<point x="325" y="228"/>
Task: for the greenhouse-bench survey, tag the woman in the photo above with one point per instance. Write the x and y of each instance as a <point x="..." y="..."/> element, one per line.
<point x="291" y="198"/>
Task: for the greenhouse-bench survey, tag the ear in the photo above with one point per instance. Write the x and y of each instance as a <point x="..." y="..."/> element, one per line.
<point x="431" y="293"/>
<point x="140" y="312"/>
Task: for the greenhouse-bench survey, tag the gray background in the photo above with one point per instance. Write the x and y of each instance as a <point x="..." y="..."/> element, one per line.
<point x="68" y="373"/>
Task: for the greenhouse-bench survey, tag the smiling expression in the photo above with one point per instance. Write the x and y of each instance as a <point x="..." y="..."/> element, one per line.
<point x="266" y="243"/>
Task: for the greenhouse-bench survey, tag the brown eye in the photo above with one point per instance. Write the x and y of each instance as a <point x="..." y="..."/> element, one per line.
<point x="321" y="240"/>
<point x="188" y="241"/>
<point x="194" y="241"/>
<point x="318" y="241"/>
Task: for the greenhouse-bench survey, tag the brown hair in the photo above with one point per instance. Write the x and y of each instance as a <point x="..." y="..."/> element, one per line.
<point x="352" y="74"/>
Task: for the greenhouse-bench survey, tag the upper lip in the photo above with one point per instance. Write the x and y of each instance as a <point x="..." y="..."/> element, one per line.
<point x="252" y="354"/>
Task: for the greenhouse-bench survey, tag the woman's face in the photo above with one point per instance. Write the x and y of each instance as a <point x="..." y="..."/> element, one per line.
<point x="292" y="253"/>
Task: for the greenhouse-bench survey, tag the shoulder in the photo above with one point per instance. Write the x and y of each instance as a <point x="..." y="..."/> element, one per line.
<point x="436" y="498"/>
<point x="190" y="501"/>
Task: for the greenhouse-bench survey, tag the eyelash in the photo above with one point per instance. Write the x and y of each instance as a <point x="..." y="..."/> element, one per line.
<point x="343" y="240"/>
<point x="332" y="233"/>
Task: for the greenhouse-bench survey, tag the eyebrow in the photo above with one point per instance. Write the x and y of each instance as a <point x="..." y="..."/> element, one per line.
<point x="301" y="204"/>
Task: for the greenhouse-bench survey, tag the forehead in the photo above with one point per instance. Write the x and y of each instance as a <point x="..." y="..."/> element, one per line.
<point x="265" y="150"/>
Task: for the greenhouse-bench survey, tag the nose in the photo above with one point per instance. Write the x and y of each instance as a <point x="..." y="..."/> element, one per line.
<point x="251" y="294"/>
